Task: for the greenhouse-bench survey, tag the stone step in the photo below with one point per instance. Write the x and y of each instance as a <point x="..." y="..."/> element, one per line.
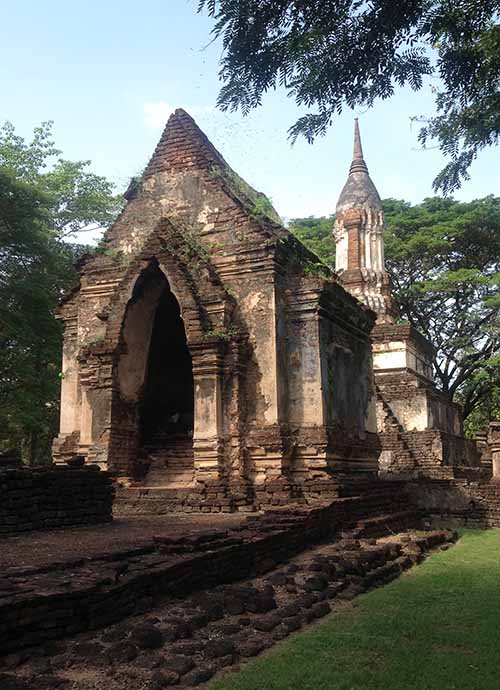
<point x="389" y="523"/>
<point x="172" y="463"/>
<point x="173" y="453"/>
<point x="170" y="480"/>
<point x="203" y="542"/>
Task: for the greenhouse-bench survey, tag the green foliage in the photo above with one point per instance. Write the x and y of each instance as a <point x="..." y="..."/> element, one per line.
<point x="34" y="272"/>
<point x="116" y="255"/>
<point x="333" y="54"/>
<point x="257" y="204"/>
<point x="301" y="254"/>
<point x="316" y="235"/>
<point x="27" y="160"/>
<point x="487" y="409"/>
<point x="42" y="200"/>
<point x="78" y="200"/>
<point x="468" y="103"/>
<point x="444" y="260"/>
<point x="185" y="244"/>
<point x="263" y="208"/>
<point x="224" y="333"/>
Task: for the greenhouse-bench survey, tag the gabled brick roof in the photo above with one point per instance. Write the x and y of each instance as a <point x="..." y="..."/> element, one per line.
<point x="183" y="145"/>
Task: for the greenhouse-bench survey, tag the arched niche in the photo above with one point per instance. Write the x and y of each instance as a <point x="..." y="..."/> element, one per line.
<point x="154" y="389"/>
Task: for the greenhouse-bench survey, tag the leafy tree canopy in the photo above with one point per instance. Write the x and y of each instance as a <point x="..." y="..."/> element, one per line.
<point x="316" y="234"/>
<point x="332" y="54"/>
<point x="444" y="259"/>
<point x="76" y="198"/>
<point x="43" y="199"/>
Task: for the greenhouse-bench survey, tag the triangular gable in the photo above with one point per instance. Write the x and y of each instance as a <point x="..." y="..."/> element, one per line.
<point x="183" y="145"/>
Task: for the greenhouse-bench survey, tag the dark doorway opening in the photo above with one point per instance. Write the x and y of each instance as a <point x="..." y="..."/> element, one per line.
<point x="153" y="410"/>
<point x="167" y="406"/>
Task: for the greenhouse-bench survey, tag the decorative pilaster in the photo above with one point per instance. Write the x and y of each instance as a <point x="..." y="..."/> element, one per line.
<point x="96" y="401"/>
<point x="494" y="444"/>
<point x="208" y="449"/>
<point x="235" y="411"/>
<point x="66" y="443"/>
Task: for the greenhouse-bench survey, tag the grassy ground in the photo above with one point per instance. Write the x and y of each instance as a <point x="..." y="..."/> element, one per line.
<point x="435" y="628"/>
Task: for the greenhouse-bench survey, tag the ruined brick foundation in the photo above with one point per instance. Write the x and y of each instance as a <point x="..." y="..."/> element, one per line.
<point x="106" y="588"/>
<point x="459" y="502"/>
<point x="54" y="497"/>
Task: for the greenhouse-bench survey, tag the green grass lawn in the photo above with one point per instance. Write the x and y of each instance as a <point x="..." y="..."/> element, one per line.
<point x="435" y="628"/>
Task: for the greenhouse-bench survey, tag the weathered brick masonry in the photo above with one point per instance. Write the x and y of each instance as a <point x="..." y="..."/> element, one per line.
<point x="52" y="602"/>
<point x="458" y="501"/>
<point x="207" y="352"/>
<point x="213" y="365"/>
<point x="49" y="498"/>
<point x="420" y="429"/>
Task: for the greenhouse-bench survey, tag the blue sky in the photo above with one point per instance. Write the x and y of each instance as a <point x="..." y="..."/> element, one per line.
<point x="108" y="73"/>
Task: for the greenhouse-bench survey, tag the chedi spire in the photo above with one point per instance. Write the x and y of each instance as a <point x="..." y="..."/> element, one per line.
<point x="358" y="162"/>
<point x="359" y="190"/>
<point x="358" y="235"/>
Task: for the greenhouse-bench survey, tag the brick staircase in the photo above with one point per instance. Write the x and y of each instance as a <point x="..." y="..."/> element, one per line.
<point x="429" y="448"/>
<point x="172" y="463"/>
<point x="394" y="441"/>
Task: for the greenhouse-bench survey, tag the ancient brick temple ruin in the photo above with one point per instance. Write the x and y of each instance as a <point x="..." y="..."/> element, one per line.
<point x="204" y="344"/>
<point x="208" y="353"/>
<point x="213" y="365"/>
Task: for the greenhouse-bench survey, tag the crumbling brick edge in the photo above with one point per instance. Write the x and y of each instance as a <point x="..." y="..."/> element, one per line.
<point x="107" y="589"/>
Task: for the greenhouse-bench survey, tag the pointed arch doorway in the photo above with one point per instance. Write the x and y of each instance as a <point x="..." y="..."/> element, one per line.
<point x="155" y="377"/>
<point x="167" y="407"/>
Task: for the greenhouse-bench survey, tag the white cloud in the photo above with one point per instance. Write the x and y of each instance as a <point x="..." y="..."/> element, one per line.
<point x="157" y="112"/>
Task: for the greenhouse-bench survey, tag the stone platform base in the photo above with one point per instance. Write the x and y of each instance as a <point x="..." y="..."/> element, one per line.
<point x="208" y="497"/>
<point x="211" y="623"/>
<point x="53" y="600"/>
<point x="458" y="502"/>
<point x="244" y="497"/>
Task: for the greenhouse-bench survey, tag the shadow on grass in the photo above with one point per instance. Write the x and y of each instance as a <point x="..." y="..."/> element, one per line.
<point x="436" y="628"/>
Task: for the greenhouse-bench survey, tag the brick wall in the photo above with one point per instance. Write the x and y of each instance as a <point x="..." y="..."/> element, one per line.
<point x="462" y="502"/>
<point x="53" y="497"/>
<point x="353" y="249"/>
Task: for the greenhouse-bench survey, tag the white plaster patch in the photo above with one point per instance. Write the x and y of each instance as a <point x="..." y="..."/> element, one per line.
<point x="389" y="360"/>
<point x="202" y="218"/>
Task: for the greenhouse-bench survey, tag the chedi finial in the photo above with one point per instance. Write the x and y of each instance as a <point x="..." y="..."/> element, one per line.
<point x="358" y="162"/>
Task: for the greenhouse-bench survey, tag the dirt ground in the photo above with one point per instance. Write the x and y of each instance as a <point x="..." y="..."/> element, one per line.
<point x="41" y="548"/>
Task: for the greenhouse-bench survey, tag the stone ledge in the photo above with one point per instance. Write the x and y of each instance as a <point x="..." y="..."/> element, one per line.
<point x="384" y="332"/>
